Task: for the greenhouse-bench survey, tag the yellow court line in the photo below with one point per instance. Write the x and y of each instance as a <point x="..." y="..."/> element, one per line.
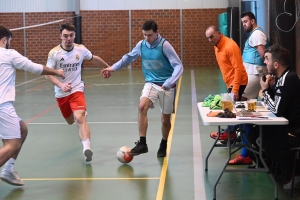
<point x="82" y="179"/>
<point x="161" y="186"/>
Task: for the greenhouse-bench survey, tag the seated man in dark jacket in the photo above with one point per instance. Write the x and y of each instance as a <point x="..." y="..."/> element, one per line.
<point x="281" y="94"/>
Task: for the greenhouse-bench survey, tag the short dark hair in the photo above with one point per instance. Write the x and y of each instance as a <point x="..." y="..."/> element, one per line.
<point x="150" y="25"/>
<point x="214" y="27"/>
<point x="280" y="55"/>
<point x="67" y="26"/>
<point x="249" y="14"/>
<point x="5" y="32"/>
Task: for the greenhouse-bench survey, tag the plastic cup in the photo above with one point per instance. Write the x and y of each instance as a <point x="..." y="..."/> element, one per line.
<point x="252" y="104"/>
<point x="227" y="99"/>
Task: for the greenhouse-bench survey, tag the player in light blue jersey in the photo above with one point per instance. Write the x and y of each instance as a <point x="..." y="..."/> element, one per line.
<point x="253" y="60"/>
<point x="253" y="55"/>
<point x="162" y="68"/>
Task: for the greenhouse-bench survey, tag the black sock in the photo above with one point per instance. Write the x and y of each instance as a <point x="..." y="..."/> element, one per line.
<point x="143" y="140"/>
<point x="163" y="142"/>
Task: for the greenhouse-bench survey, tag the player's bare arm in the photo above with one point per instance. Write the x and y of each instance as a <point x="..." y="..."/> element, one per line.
<point x="106" y="73"/>
<point x="49" y="71"/>
<point x="66" y="87"/>
<point x="235" y="96"/>
<point x="98" y="61"/>
<point x="261" y="50"/>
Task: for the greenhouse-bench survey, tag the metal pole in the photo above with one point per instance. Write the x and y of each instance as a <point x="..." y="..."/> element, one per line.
<point x="77" y="20"/>
<point x="24" y="37"/>
<point x="24" y="32"/>
<point x="181" y="33"/>
<point x="129" y="30"/>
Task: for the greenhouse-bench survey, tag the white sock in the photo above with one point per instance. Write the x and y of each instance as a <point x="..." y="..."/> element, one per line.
<point x="9" y="165"/>
<point x="86" y="144"/>
<point x="297" y="180"/>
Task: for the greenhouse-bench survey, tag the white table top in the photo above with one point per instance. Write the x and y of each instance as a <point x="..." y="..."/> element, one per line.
<point x="217" y="121"/>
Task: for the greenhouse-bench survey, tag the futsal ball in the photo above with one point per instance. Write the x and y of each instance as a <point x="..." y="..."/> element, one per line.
<point x="123" y="155"/>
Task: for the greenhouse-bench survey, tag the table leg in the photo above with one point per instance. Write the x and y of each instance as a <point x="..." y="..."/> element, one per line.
<point x="263" y="162"/>
<point x="212" y="147"/>
<point x="229" y="156"/>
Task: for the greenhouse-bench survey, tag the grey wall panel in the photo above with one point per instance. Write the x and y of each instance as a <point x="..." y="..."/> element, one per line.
<point x="151" y="4"/>
<point x="215" y="4"/>
<point x="69" y="5"/>
<point x="36" y="5"/>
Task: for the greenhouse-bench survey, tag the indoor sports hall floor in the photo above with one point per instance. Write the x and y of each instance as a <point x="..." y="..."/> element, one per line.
<point x="52" y="165"/>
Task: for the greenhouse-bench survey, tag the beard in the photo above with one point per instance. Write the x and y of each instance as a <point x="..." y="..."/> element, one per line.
<point x="7" y="45"/>
<point x="248" y="29"/>
<point x="271" y="69"/>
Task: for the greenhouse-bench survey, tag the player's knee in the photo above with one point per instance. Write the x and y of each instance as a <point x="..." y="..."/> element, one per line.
<point x="166" y="123"/>
<point x="23" y="130"/>
<point x="166" y="120"/>
<point x="143" y="108"/>
<point x="18" y="145"/>
<point x="13" y="145"/>
<point x="79" y="119"/>
<point x="24" y="133"/>
<point x="70" y="122"/>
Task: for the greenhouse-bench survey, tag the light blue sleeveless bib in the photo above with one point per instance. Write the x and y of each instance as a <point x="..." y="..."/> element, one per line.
<point x="251" y="55"/>
<point x="156" y="67"/>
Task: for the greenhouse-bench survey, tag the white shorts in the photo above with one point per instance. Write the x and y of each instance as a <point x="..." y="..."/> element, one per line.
<point x="9" y="122"/>
<point x="253" y="87"/>
<point x="166" y="97"/>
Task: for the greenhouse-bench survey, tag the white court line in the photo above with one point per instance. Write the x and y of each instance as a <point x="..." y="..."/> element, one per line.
<point x="84" y="179"/>
<point x="199" y="187"/>
<point x="29" y="81"/>
<point x="58" y="123"/>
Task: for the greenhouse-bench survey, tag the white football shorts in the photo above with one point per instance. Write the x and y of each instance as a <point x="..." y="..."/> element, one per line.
<point x="253" y="87"/>
<point x="9" y="122"/>
<point x="166" y="97"/>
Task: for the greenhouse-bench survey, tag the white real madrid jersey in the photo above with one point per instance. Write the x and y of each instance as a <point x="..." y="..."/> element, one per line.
<point x="10" y="60"/>
<point x="70" y="62"/>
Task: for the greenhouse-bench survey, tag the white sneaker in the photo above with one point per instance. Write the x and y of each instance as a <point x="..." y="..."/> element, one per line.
<point x="88" y="155"/>
<point x="11" y="177"/>
<point x="288" y="186"/>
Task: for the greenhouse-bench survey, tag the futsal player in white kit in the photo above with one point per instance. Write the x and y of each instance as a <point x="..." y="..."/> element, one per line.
<point x="69" y="92"/>
<point x="13" y="130"/>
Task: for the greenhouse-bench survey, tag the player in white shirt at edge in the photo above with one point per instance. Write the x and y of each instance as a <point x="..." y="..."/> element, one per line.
<point x="13" y="130"/>
<point x="69" y="92"/>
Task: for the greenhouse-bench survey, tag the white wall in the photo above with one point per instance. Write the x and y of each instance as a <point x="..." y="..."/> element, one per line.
<point x="69" y="5"/>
